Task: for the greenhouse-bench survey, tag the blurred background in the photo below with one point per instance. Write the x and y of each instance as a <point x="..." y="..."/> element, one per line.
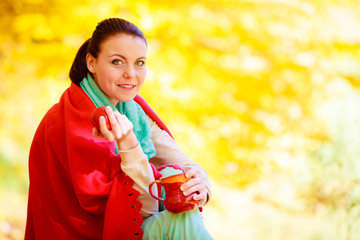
<point x="264" y="94"/>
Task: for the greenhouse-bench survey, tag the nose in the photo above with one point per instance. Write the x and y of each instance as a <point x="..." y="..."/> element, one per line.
<point x="129" y="72"/>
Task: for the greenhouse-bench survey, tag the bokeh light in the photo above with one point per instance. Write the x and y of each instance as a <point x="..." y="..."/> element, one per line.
<point x="263" y="94"/>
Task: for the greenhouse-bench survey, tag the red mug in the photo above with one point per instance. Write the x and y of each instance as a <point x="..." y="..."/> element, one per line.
<point x="175" y="201"/>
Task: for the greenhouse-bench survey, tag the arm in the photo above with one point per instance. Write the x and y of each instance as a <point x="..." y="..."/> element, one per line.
<point x="168" y="152"/>
<point x="136" y="165"/>
<point x="134" y="162"/>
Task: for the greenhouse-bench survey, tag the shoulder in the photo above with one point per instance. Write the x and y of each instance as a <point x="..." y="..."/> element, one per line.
<point x="154" y="118"/>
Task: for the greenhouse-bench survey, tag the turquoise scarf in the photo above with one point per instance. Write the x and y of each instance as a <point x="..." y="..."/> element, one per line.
<point x="131" y="110"/>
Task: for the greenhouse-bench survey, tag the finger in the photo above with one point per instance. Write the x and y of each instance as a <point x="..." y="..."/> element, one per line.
<point x="194" y="189"/>
<point x="117" y="115"/>
<point x="95" y="132"/>
<point x="111" y="115"/>
<point x="201" y="197"/>
<point x="104" y="130"/>
<point x="123" y="125"/>
<point x="119" y="130"/>
<point x="126" y="123"/>
<point x="191" y="183"/>
<point x="129" y="124"/>
<point x="191" y="173"/>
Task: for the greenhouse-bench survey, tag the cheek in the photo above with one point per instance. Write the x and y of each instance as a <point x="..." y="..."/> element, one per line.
<point x="141" y="82"/>
<point x="143" y="75"/>
<point x="107" y="75"/>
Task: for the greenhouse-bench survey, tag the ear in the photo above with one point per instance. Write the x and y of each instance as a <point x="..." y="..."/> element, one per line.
<point x="90" y="62"/>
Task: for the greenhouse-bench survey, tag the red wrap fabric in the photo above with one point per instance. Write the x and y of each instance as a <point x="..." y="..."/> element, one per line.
<point x="77" y="188"/>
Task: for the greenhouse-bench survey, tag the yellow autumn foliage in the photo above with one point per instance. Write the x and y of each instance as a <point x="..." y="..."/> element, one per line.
<point x="261" y="93"/>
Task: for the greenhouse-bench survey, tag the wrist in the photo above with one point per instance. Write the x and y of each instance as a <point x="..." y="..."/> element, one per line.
<point x="128" y="142"/>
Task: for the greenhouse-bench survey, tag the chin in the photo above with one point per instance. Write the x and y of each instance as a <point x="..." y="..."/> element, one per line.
<point x="127" y="99"/>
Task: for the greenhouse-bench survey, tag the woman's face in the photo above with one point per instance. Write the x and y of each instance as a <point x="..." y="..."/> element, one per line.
<point x="120" y="68"/>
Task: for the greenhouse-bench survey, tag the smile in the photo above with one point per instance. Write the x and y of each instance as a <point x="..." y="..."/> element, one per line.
<point x="127" y="86"/>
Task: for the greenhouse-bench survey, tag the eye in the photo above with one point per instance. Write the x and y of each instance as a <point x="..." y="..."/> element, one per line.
<point x="140" y="63"/>
<point x="117" y="62"/>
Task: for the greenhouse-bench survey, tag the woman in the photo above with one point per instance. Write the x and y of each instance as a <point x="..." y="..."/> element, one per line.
<point x="87" y="183"/>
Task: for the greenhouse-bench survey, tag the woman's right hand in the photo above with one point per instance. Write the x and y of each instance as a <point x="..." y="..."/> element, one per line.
<point x="121" y="130"/>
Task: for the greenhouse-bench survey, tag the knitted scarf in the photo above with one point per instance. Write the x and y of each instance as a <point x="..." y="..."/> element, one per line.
<point x="131" y="110"/>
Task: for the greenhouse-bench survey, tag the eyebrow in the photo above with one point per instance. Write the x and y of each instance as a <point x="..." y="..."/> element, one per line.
<point x="119" y="55"/>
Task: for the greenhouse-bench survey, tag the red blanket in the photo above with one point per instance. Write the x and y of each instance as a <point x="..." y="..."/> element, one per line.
<point x="77" y="189"/>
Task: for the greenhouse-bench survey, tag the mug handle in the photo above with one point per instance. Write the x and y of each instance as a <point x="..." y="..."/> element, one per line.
<point x="157" y="198"/>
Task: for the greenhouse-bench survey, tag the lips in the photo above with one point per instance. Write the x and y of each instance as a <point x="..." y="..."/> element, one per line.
<point x="127" y="86"/>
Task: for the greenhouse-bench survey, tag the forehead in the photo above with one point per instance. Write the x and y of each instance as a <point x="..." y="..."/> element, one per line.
<point x="123" y="43"/>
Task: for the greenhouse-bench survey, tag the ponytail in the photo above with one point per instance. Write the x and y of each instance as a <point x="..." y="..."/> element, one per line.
<point x="79" y="68"/>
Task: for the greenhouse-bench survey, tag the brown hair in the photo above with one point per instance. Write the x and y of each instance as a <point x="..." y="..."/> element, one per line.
<point x="104" y="29"/>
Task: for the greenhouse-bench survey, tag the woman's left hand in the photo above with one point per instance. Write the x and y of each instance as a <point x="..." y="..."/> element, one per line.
<point x="195" y="185"/>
